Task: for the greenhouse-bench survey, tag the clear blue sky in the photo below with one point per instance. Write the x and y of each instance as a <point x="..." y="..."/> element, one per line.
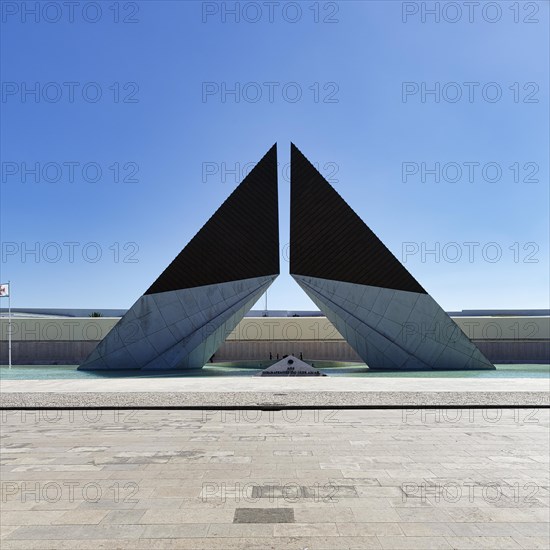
<point x="352" y="117"/>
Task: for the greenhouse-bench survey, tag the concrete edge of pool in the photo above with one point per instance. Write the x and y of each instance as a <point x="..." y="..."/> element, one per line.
<point x="275" y="393"/>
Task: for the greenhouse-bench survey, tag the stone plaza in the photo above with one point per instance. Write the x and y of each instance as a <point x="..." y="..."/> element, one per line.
<point x="439" y="478"/>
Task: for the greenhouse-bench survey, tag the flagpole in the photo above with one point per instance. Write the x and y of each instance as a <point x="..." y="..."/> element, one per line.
<point x="9" y="324"/>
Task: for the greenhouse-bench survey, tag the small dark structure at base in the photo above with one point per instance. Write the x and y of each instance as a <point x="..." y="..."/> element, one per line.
<point x="291" y="366"/>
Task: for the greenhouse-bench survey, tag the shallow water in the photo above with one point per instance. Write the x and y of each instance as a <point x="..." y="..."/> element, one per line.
<point x="67" y="372"/>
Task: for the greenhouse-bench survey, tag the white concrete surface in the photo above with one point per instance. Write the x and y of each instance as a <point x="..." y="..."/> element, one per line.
<point x="276" y="392"/>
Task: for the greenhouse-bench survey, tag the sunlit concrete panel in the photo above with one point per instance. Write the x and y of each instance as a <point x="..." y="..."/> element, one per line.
<point x="394" y="329"/>
<point x="180" y="329"/>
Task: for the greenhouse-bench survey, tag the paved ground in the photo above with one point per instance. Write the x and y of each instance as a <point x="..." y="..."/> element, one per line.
<point x="462" y="479"/>
<point x="253" y="391"/>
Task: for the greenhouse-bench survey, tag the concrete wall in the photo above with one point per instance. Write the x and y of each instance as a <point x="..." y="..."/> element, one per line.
<point x="31" y="352"/>
<point x="52" y="329"/>
<point x="39" y="340"/>
<point x="270" y="328"/>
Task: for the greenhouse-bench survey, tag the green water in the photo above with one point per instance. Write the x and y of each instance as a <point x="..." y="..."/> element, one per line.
<point x="67" y="372"/>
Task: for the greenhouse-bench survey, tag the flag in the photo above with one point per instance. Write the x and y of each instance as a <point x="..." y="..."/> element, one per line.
<point x="4" y="290"/>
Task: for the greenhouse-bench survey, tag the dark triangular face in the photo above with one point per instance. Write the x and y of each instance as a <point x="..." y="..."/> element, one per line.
<point x="240" y="241"/>
<point x="328" y="240"/>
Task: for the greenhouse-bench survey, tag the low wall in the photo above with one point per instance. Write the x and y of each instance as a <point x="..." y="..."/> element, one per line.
<point x="272" y="328"/>
<point x="62" y="352"/>
<point x="73" y="353"/>
<point x="68" y="341"/>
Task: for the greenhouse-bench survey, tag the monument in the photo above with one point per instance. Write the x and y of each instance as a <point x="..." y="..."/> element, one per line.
<point x="385" y="315"/>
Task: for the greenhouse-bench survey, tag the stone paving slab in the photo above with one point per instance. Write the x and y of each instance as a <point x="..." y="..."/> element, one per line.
<point x="283" y="392"/>
<point x="289" y="479"/>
